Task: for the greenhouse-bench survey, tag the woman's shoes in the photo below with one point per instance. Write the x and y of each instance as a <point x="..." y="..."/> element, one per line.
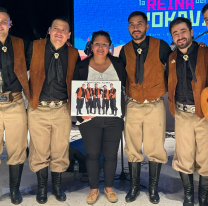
<point x="92" y="197"/>
<point x="111" y="196"/>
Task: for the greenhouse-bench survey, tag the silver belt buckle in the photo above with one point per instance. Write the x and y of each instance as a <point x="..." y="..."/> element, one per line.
<point x="44" y="103"/>
<point x="192" y="110"/>
<point x="52" y="104"/>
<point x="60" y="103"/>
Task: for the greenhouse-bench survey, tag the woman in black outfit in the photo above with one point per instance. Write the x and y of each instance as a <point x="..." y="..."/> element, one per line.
<point x="101" y="134"/>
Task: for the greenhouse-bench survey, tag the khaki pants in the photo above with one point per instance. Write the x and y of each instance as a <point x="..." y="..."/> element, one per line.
<point x="145" y="123"/>
<point x="191" y="133"/>
<point x="13" y="120"/>
<point x="49" y="131"/>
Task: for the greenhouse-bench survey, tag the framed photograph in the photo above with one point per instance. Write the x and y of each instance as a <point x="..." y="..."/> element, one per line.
<point x="96" y="98"/>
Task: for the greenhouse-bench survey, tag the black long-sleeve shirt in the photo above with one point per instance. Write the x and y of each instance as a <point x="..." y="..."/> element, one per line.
<point x="180" y="94"/>
<point x="164" y="50"/>
<point x="15" y="85"/>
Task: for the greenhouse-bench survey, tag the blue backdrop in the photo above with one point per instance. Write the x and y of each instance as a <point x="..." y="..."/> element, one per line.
<point x="112" y="15"/>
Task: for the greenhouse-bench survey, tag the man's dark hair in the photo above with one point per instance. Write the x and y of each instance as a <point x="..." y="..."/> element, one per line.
<point x="62" y="18"/>
<point x="205" y="8"/>
<point x="138" y="13"/>
<point x="2" y="9"/>
<point x="179" y="20"/>
<point x="101" y="33"/>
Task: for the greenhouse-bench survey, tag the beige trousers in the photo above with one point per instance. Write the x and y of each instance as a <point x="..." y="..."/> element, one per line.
<point x="191" y="133"/>
<point x="13" y="120"/>
<point x="49" y="144"/>
<point x="145" y="123"/>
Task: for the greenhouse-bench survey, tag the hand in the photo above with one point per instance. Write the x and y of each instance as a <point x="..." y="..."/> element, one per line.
<point x="87" y="117"/>
<point x="202" y="44"/>
<point x="86" y="100"/>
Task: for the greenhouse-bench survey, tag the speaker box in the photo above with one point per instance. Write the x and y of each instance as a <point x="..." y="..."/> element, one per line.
<point x="77" y="152"/>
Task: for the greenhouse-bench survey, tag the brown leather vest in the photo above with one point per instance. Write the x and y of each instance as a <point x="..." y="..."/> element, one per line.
<point x="154" y="84"/>
<point x="37" y="71"/>
<point x="98" y="94"/>
<point x="112" y="95"/>
<point x="79" y="94"/>
<point x="20" y="68"/>
<point x="88" y="94"/>
<point x="107" y="94"/>
<point x="201" y="73"/>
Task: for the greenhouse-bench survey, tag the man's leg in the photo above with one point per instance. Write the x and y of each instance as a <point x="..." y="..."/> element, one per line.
<point x="39" y="123"/>
<point x="15" y="123"/>
<point x="153" y="144"/>
<point x="133" y="148"/>
<point x="61" y="126"/>
<point x="184" y="157"/>
<point x="201" y="130"/>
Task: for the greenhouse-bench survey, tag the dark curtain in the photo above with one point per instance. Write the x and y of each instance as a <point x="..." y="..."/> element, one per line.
<point x="32" y="18"/>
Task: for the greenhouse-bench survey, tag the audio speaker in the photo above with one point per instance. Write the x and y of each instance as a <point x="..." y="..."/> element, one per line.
<point x="77" y="152"/>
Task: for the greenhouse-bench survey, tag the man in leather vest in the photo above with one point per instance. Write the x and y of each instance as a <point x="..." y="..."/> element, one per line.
<point x="113" y="100"/>
<point x="51" y="71"/>
<point x="88" y="98"/>
<point x="145" y="120"/>
<point x="187" y="71"/>
<point x="205" y="14"/>
<point x="80" y="94"/>
<point x="96" y="98"/>
<point x="13" y="117"/>
<point x="105" y="99"/>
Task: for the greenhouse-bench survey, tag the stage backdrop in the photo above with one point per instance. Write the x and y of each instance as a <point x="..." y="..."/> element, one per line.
<point x="108" y="15"/>
<point x="111" y="16"/>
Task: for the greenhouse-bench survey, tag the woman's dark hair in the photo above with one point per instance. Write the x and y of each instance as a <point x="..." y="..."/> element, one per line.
<point x="101" y="33"/>
<point x="179" y="20"/>
<point x="2" y="9"/>
<point x="205" y="8"/>
<point x="138" y="13"/>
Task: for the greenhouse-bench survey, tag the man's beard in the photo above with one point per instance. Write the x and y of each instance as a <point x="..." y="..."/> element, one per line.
<point x="184" y="45"/>
<point x="139" y="37"/>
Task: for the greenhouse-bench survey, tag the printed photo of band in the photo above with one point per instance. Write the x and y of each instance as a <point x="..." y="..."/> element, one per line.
<point x="93" y="98"/>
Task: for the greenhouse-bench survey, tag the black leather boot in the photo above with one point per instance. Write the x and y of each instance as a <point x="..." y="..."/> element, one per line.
<point x="42" y="177"/>
<point x="115" y="113"/>
<point x="94" y="111"/>
<point x="87" y="111"/>
<point x="80" y="112"/>
<point x="15" y="173"/>
<point x="77" y="112"/>
<point x="103" y="111"/>
<point x="203" y="191"/>
<point x="90" y="110"/>
<point x="99" y="111"/>
<point x="56" y="183"/>
<point x="134" y="171"/>
<point x="187" y="180"/>
<point x="154" y="174"/>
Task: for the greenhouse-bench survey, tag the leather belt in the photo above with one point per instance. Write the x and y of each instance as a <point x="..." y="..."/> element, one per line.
<point x="185" y="108"/>
<point x="16" y="96"/>
<point x="145" y="101"/>
<point x="52" y="104"/>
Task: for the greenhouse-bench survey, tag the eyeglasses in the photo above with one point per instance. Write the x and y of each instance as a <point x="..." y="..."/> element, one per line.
<point x="105" y="45"/>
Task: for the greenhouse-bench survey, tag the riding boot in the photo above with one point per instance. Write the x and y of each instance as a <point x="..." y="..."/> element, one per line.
<point x="154" y="174"/>
<point x="42" y="177"/>
<point x="56" y="183"/>
<point x="187" y="180"/>
<point x="15" y="173"/>
<point x="134" y="171"/>
<point x="203" y="191"/>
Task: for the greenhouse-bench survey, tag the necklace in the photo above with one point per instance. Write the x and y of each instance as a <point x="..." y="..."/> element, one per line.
<point x="101" y="76"/>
